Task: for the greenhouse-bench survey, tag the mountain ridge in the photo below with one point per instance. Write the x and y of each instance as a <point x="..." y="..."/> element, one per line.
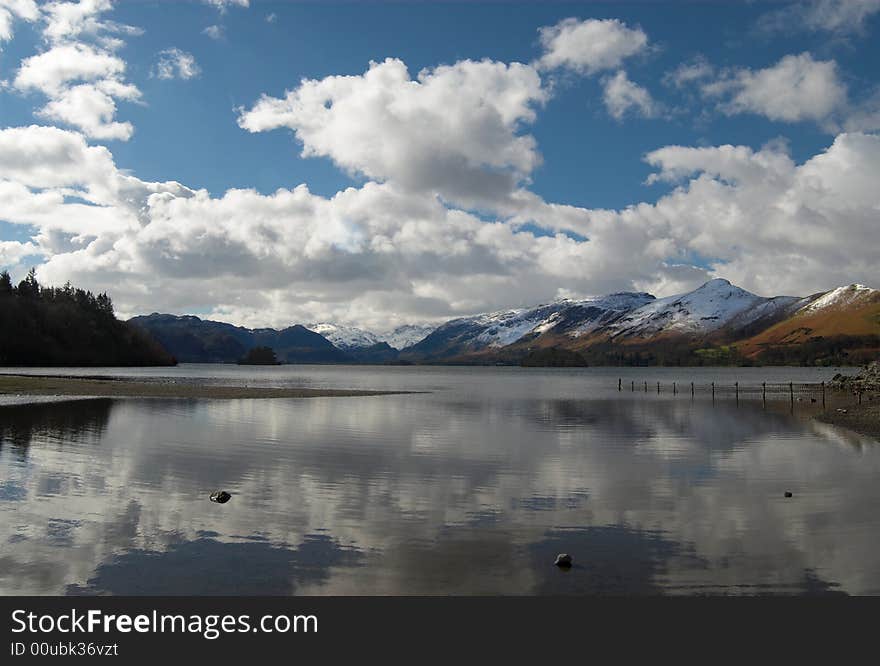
<point x="717" y="323"/>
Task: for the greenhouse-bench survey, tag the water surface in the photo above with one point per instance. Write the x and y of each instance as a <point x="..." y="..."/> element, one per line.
<point x="472" y="488"/>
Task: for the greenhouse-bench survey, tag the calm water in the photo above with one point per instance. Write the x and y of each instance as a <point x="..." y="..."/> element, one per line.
<point x="472" y="488"/>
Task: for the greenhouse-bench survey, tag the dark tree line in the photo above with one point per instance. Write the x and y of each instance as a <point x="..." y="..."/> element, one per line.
<point x="66" y="326"/>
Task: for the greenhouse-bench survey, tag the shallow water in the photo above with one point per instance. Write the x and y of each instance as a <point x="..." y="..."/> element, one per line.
<point x="472" y="488"/>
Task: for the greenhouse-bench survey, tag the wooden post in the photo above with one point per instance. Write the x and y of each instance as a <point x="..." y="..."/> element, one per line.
<point x="860" y="396"/>
<point x="791" y="391"/>
<point x="646" y="387"/>
<point x="736" y="385"/>
<point x="692" y="389"/>
<point x="658" y="387"/>
<point x="674" y="391"/>
<point x="713" y="391"/>
<point x="823" y="395"/>
<point x="632" y="385"/>
<point x="619" y="384"/>
<point x="764" y="393"/>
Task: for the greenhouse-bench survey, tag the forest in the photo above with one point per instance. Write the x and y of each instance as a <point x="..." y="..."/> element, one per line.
<point x="66" y="326"/>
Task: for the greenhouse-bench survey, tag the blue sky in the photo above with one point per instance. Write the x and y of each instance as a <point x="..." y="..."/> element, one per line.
<point x="192" y="130"/>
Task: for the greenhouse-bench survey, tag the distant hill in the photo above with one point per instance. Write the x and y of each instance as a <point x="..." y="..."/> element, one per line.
<point x="45" y="326"/>
<point x="194" y="340"/>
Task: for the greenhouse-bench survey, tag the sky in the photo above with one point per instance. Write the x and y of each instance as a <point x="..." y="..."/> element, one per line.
<point x="375" y="164"/>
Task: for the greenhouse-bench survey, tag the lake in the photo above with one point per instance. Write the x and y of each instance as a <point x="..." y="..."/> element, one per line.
<point x="471" y="487"/>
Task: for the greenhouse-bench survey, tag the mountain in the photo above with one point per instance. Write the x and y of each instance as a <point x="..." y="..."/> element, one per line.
<point x="843" y="323"/>
<point x="345" y="337"/>
<point x="714" y="306"/>
<point x="193" y="340"/>
<point x="404" y="337"/>
<point x="349" y="338"/>
<point x="488" y="334"/>
<point x="717" y="323"/>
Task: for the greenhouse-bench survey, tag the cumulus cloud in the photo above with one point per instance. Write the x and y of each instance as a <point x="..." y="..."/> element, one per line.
<point x="12" y="252"/>
<point x="82" y="84"/>
<point x="82" y="81"/>
<point x="10" y="10"/>
<point x="794" y="89"/>
<point x="382" y="254"/>
<point x="453" y="130"/>
<point x="175" y="64"/>
<point x="589" y="46"/>
<point x="66" y="21"/>
<point x="622" y="96"/>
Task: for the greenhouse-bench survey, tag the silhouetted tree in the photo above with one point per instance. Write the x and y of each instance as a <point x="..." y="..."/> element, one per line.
<point x="259" y="356"/>
<point x="67" y="327"/>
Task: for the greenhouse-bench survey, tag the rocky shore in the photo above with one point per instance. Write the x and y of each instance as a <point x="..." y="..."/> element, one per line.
<point x="863" y="417"/>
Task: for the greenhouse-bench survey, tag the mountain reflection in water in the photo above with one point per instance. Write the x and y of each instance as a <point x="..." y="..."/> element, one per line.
<point x="471" y="489"/>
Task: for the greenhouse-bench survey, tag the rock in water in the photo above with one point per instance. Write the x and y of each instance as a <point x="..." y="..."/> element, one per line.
<point x="563" y="560"/>
<point x="788" y="493"/>
<point x="220" y="496"/>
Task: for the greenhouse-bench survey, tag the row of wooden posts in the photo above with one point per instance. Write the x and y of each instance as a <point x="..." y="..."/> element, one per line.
<point x="736" y="389"/>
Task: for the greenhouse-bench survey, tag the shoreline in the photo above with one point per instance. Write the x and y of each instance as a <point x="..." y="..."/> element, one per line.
<point x="50" y="385"/>
<point x="863" y="419"/>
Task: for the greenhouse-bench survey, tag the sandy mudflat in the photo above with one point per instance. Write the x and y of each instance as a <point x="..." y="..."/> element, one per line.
<point x="864" y="418"/>
<point x="126" y="388"/>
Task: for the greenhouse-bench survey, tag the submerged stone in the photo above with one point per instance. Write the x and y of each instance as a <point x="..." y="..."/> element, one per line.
<point x="563" y="560"/>
<point x="220" y="496"/>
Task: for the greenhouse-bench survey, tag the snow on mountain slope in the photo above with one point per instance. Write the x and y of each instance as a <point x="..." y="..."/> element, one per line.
<point x="345" y="337"/>
<point x="702" y="311"/>
<point x="840" y="297"/>
<point x="505" y="327"/>
<point x="405" y="336"/>
<point x="588" y="315"/>
<point x="349" y="337"/>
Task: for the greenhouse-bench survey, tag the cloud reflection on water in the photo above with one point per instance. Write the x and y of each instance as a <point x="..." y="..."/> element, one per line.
<point x="440" y="493"/>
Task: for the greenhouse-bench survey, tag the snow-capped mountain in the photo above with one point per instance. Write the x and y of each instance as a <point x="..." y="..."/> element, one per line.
<point x="496" y="330"/>
<point x="842" y="297"/>
<point x="348" y="337"/>
<point x="714" y="305"/>
<point x="345" y="337"/>
<point x="636" y="327"/>
<point x="406" y="336"/>
<point x="716" y="323"/>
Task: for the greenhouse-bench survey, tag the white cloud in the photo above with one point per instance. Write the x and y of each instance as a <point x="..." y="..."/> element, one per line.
<point x="622" y="96"/>
<point x="82" y="84"/>
<point x="10" y="10"/>
<point x="51" y="71"/>
<point x="796" y="88"/>
<point x="67" y="21"/>
<point x="589" y="46"/>
<point x="175" y="64"/>
<point x="453" y="130"/>
<point x="223" y="5"/>
<point x="81" y="81"/>
<point x="691" y="72"/>
<point x="216" y="32"/>
<point x="12" y="252"/>
<point x="840" y="17"/>
<point x="383" y="253"/>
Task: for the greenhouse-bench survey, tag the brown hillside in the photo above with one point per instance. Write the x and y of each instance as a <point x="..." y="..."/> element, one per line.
<point x="856" y="320"/>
